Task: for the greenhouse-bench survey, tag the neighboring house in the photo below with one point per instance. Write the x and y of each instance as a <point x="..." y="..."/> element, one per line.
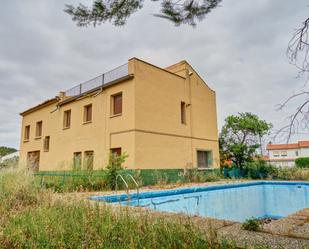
<point x="9" y="156"/>
<point x="161" y="118"/>
<point x="283" y="155"/>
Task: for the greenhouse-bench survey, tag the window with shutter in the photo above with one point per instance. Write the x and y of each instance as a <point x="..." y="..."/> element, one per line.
<point x="27" y="133"/>
<point x="88" y="160"/>
<point x="88" y="113"/>
<point x="204" y="159"/>
<point x="116" y="151"/>
<point x="67" y="119"/>
<point x="183" y="112"/>
<point x="117" y="104"/>
<point x="38" y="130"/>
<point x="77" y="160"/>
<point x="46" y="143"/>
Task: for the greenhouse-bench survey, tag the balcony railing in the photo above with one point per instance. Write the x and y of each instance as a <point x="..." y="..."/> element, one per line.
<point x="96" y="82"/>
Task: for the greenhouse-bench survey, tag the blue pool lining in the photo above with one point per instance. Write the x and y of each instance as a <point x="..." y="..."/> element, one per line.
<point x="179" y="191"/>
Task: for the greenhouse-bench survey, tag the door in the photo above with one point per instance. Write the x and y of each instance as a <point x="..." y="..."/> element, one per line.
<point x="33" y="160"/>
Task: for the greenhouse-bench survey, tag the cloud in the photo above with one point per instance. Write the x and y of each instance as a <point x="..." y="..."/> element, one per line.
<point x="239" y="49"/>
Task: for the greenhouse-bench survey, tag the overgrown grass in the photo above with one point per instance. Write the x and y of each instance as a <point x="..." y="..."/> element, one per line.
<point x="81" y="225"/>
<point x="34" y="218"/>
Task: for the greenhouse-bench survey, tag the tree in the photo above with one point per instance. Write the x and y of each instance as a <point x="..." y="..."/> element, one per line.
<point x="6" y="150"/>
<point x="118" y="11"/>
<point x="241" y="137"/>
<point x="298" y="54"/>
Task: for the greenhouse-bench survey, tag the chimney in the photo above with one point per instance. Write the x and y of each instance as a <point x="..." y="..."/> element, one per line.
<point x="62" y="95"/>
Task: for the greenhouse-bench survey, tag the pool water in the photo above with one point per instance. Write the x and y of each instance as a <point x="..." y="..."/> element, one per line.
<point x="236" y="202"/>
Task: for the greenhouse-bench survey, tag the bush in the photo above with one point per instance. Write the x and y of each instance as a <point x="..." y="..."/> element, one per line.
<point x="302" y="162"/>
<point x="293" y="173"/>
<point x="114" y="168"/>
<point x="259" y="170"/>
<point x="251" y="225"/>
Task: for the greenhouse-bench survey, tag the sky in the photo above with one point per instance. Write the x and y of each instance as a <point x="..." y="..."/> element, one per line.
<point x="239" y="50"/>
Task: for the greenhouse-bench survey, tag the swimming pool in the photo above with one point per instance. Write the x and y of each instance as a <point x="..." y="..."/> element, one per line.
<point x="236" y="202"/>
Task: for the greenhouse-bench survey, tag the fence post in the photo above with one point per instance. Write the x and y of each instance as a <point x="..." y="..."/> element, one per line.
<point x="41" y="183"/>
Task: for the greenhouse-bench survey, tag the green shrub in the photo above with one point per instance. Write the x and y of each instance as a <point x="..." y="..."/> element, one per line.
<point x="259" y="169"/>
<point x="114" y="168"/>
<point x="251" y="225"/>
<point x="302" y="162"/>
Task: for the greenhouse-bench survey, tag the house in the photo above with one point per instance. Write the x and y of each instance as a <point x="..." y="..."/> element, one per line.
<point x="9" y="156"/>
<point x="283" y="155"/>
<point x="160" y="117"/>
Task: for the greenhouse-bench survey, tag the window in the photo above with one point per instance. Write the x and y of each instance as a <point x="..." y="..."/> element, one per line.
<point x="276" y="153"/>
<point x="116" y="151"/>
<point x="204" y="159"/>
<point x="27" y="133"/>
<point x="296" y="153"/>
<point x="77" y="160"/>
<point x="88" y="160"/>
<point x="183" y="112"/>
<point x="67" y="119"/>
<point x="284" y="153"/>
<point x="88" y="113"/>
<point x="33" y="160"/>
<point x="46" y="143"/>
<point x="117" y="104"/>
<point x="38" y="130"/>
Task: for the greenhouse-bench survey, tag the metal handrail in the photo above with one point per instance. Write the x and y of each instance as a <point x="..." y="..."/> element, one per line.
<point x="127" y="186"/>
<point x="137" y="187"/>
<point x="121" y="177"/>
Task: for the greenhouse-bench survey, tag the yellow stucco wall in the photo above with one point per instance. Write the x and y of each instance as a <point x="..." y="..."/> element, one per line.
<point x="149" y="129"/>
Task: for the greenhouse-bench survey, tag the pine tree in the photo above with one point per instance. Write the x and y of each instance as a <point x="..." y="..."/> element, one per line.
<point x="118" y="11"/>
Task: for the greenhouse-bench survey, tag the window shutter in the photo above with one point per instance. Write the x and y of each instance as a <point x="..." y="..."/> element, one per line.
<point x="118" y="104"/>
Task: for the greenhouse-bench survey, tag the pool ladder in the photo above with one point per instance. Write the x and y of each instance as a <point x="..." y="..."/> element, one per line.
<point x="127" y="186"/>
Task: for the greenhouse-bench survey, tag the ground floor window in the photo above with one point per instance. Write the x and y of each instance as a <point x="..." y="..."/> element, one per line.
<point x="77" y="161"/>
<point x="116" y="151"/>
<point x="204" y="159"/>
<point x="33" y="160"/>
<point x="88" y="160"/>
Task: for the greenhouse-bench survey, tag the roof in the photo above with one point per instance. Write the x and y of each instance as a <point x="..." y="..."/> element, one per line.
<point x="39" y="106"/>
<point x="300" y="144"/>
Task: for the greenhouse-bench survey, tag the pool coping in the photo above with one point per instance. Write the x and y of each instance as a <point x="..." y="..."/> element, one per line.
<point x="186" y="190"/>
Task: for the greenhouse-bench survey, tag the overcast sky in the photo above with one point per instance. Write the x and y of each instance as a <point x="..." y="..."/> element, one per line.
<point x="239" y="50"/>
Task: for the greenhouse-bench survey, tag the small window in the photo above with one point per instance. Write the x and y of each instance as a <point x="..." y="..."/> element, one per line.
<point x="276" y="153"/>
<point x="67" y="119"/>
<point x="296" y="153"/>
<point x="88" y="160"/>
<point x="38" y="130"/>
<point x="27" y="133"/>
<point x="183" y="112"/>
<point x="116" y="151"/>
<point x="77" y="160"/>
<point x="284" y="153"/>
<point x="204" y="159"/>
<point x="88" y="113"/>
<point x="117" y="104"/>
<point x="46" y="143"/>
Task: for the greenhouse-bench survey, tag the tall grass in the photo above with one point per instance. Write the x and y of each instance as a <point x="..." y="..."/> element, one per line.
<point x="32" y="218"/>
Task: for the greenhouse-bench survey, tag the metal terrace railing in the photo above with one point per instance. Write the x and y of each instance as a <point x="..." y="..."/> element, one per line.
<point x="98" y="81"/>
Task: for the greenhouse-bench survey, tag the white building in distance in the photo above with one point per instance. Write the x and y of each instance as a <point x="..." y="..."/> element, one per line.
<point x="284" y="155"/>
